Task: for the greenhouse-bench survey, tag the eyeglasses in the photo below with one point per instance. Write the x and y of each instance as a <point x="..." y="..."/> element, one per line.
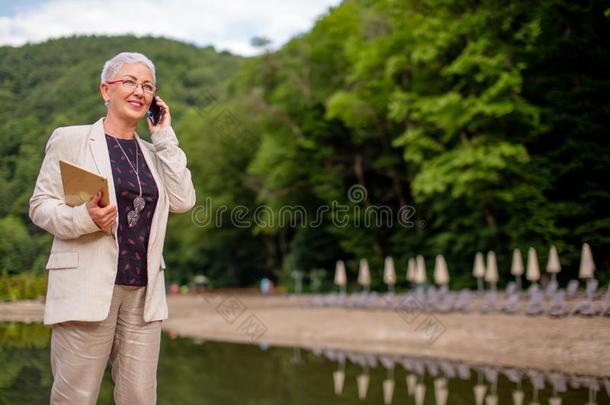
<point x="131" y="85"/>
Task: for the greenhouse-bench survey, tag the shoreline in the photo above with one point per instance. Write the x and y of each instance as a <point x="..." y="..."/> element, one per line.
<point x="573" y="345"/>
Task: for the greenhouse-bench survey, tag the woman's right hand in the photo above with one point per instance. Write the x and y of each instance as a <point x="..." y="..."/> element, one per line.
<point x="104" y="217"/>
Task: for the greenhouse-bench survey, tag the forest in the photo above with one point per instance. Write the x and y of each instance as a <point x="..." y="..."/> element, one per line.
<point x="477" y="125"/>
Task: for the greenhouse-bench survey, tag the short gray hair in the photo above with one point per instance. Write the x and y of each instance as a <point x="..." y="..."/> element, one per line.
<point x="113" y="65"/>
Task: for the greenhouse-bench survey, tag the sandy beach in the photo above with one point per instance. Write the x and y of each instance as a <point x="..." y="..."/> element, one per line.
<point x="571" y="344"/>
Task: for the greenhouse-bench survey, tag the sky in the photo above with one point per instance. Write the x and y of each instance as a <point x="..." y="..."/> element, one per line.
<point x="225" y="24"/>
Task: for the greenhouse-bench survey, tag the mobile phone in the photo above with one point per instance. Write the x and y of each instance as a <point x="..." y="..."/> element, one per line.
<point x="154" y="112"/>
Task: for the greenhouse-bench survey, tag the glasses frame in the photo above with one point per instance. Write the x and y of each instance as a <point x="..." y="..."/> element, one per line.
<point x="122" y="81"/>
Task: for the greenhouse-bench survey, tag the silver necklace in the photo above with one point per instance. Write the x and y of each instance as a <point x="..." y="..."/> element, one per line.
<point x="138" y="203"/>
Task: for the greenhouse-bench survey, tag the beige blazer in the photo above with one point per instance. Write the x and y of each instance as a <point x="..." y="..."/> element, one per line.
<point x="83" y="261"/>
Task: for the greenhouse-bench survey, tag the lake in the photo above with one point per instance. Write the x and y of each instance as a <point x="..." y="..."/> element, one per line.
<point x="205" y="372"/>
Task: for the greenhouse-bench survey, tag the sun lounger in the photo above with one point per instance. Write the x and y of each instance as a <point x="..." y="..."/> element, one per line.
<point x="432" y="299"/>
<point x="510" y="307"/>
<point x="463" y="371"/>
<point x="371" y="300"/>
<point x="371" y="360"/>
<point x="586" y="308"/>
<point x="388" y="301"/>
<point x="409" y="307"/>
<point x="533" y="290"/>
<point x="446" y="303"/>
<point x="330" y="299"/>
<point x="606" y="307"/>
<point x="559" y="306"/>
<point x="386" y="361"/>
<point x="431" y="367"/>
<point x="462" y="303"/>
<point x="353" y="300"/>
<point x="591" y="290"/>
<point x="489" y="303"/>
<point x="491" y="374"/>
<point x="551" y="288"/>
<point x="558" y="381"/>
<point x="447" y="369"/>
<point x="572" y="289"/>
<point x="536" y="378"/>
<point x="535" y="306"/>
<point x="317" y="300"/>
<point x="513" y="375"/>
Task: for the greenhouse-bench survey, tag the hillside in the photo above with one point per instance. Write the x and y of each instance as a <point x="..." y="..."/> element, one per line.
<point x="482" y="127"/>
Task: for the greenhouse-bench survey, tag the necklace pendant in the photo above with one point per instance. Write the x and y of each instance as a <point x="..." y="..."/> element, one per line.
<point x="132" y="218"/>
<point x="138" y="204"/>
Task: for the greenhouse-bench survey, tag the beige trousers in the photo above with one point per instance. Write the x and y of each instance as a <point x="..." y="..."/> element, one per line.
<point x="80" y="353"/>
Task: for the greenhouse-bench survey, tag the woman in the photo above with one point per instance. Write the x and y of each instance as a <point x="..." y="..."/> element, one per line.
<point x="106" y="292"/>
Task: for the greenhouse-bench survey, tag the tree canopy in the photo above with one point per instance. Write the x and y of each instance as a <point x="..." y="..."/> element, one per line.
<point x="483" y="124"/>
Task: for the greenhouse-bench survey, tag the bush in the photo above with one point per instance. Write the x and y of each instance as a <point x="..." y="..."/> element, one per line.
<point x="22" y="286"/>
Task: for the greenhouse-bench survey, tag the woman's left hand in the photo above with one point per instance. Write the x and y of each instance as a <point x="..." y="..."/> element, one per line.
<point x="165" y="119"/>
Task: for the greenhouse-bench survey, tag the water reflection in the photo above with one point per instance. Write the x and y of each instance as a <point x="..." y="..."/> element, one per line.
<point x="204" y="372"/>
<point x="484" y="379"/>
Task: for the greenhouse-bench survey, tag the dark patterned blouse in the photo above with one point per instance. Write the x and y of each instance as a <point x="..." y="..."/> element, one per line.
<point x="133" y="242"/>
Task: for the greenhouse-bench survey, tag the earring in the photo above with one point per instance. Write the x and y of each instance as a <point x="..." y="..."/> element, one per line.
<point x="106" y="102"/>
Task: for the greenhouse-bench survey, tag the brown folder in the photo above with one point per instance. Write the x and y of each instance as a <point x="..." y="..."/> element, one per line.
<point x="80" y="185"/>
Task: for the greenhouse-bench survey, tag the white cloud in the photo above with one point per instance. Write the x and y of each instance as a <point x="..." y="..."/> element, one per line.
<point x="225" y="24"/>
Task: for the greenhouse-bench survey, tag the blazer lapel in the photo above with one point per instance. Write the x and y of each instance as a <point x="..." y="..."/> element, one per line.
<point x="151" y="162"/>
<point x="101" y="157"/>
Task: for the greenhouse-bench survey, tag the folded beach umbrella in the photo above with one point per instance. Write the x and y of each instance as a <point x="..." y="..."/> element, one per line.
<point x="479" y="270"/>
<point x="338" y="380"/>
<point x="411" y="383"/>
<point x="389" y="273"/>
<point x="411" y="271"/>
<point x="518" y="397"/>
<point x="552" y="265"/>
<point x="479" y="393"/>
<point x="441" y="396"/>
<point x="587" y="265"/>
<point x="554" y="401"/>
<point x="364" y="274"/>
<point x="388" y="391"/>
<point x="516" y="268"/>
<point x="441" y="274"/>
<point x="440" y="382"/>
<point x="441" y="392"/>
<point x="340" y="277"/>
<point x="420" y="394"/>
<point x="491" y="273"/>
<point x="533" y="271"/>
<point x="363" y="385"/>
<point x="420" y="270"/>
<point x="491" y="400"/>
